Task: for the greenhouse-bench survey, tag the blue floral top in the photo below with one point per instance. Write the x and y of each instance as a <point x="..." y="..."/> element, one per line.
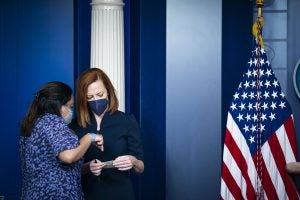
<point x="44" y="176"/>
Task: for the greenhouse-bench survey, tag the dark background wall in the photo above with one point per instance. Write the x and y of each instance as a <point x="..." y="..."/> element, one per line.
<point x="237" y="43"/>
<point x="152" y="64"/>
<point x="36" y="46"/>
<point x="82" y="36"/>
<point x="9" y="98"/>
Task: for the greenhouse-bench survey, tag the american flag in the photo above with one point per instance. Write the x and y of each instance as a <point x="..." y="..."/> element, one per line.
<point x="260" y="137"/>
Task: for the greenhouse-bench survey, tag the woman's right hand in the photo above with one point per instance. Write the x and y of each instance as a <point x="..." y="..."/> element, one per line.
<point x="96" y="167"/>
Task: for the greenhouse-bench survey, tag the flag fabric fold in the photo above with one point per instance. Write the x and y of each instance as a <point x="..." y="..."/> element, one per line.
<point x="259" y="138"/>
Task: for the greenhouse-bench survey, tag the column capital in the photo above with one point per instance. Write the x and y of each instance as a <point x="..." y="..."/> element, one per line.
<point x="107" y="4"/>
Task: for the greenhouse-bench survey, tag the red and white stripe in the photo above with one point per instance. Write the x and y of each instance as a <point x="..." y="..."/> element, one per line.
<point x="239" y="174"/>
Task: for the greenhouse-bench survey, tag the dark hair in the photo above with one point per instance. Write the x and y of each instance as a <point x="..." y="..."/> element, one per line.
<point x="48" y="99"/>
<point x="85" y="79"/>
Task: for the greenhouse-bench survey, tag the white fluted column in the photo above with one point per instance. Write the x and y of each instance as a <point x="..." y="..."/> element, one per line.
<point x="107" y="43"/>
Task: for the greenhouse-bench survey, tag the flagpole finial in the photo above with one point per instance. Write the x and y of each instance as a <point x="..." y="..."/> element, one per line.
<point x="259" y="5"/>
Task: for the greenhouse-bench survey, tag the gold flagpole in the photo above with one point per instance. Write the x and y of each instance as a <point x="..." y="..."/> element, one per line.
<point x="257" y="26"/>
<point x="256" y="31"/>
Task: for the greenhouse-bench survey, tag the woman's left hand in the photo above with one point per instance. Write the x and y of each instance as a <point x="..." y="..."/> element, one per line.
<point x="124" y="163"/>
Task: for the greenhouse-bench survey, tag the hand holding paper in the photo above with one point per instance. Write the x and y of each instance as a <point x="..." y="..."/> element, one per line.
<point x="124" y="163"/>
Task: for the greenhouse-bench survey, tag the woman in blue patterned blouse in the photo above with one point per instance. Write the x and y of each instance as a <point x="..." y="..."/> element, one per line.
<point x="51" y="155"/>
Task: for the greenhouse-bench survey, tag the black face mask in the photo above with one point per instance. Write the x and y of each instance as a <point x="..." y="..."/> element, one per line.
<point x="98" y="106"/>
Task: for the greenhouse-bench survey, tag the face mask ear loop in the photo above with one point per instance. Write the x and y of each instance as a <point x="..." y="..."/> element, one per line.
<point x="68" y="118"/>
